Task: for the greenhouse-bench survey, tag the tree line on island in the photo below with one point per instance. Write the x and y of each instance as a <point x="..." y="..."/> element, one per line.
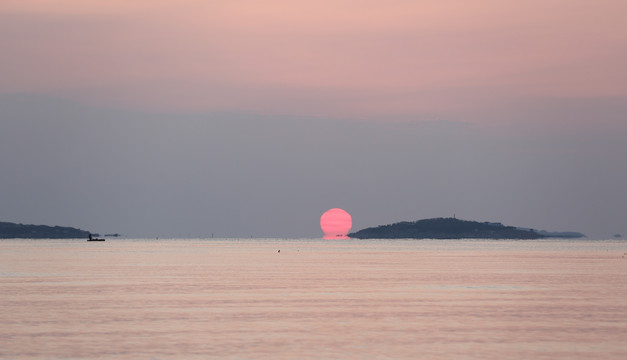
<point x="453" y="228"/>
<point x="437" y="228"/>
<point x="20" y="231"/>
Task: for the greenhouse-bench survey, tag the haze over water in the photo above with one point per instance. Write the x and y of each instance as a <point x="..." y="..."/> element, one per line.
<point x="348" y="299"/>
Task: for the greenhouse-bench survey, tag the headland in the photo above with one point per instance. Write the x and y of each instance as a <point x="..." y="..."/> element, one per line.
<point x="10" y="230"/>
<point x="452" y="228"/>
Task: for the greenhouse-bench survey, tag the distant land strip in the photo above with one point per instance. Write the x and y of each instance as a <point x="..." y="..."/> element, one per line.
<point x="10" y="230"/>
<point x="453" y="228"/>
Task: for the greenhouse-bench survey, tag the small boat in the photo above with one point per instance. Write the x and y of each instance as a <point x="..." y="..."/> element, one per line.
<point x="94" y="239"/>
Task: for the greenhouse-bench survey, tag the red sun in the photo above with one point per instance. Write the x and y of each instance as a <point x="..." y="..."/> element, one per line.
<point x="336" y="223"/>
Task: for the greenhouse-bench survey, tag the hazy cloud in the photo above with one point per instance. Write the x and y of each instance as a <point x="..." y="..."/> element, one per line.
<point x="241" y="174"/>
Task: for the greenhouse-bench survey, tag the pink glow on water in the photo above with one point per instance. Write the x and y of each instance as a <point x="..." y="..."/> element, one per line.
<point x="240" y="299"/>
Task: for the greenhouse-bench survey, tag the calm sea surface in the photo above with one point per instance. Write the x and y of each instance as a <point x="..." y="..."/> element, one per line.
<point x="316" y="299"/>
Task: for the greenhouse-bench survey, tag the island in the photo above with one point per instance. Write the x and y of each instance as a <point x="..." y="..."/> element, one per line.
<point x="10" y="230"/>
<point x="453" y="228"/>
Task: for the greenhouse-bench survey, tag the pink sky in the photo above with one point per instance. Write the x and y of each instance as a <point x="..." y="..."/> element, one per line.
<point x="341" y="58"/>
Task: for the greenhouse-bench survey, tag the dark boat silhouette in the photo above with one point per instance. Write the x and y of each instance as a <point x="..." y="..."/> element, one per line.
<point x="94" y="239"/>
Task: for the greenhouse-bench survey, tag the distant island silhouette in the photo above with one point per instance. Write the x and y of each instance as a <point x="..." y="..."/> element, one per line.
<point x="452" y="228"/>
<point x="10" y="230"/>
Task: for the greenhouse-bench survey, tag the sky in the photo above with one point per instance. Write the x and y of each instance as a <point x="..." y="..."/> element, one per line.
<point x="248" y="118"/>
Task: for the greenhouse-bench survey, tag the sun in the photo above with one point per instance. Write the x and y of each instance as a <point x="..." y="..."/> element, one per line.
<point x="336" y="223"/>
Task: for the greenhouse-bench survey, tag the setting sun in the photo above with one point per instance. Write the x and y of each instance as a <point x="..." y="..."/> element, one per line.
<point x="336" y="223"/>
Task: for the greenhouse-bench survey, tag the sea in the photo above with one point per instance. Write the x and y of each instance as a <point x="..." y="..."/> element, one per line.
<point x="313" y="299"/>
